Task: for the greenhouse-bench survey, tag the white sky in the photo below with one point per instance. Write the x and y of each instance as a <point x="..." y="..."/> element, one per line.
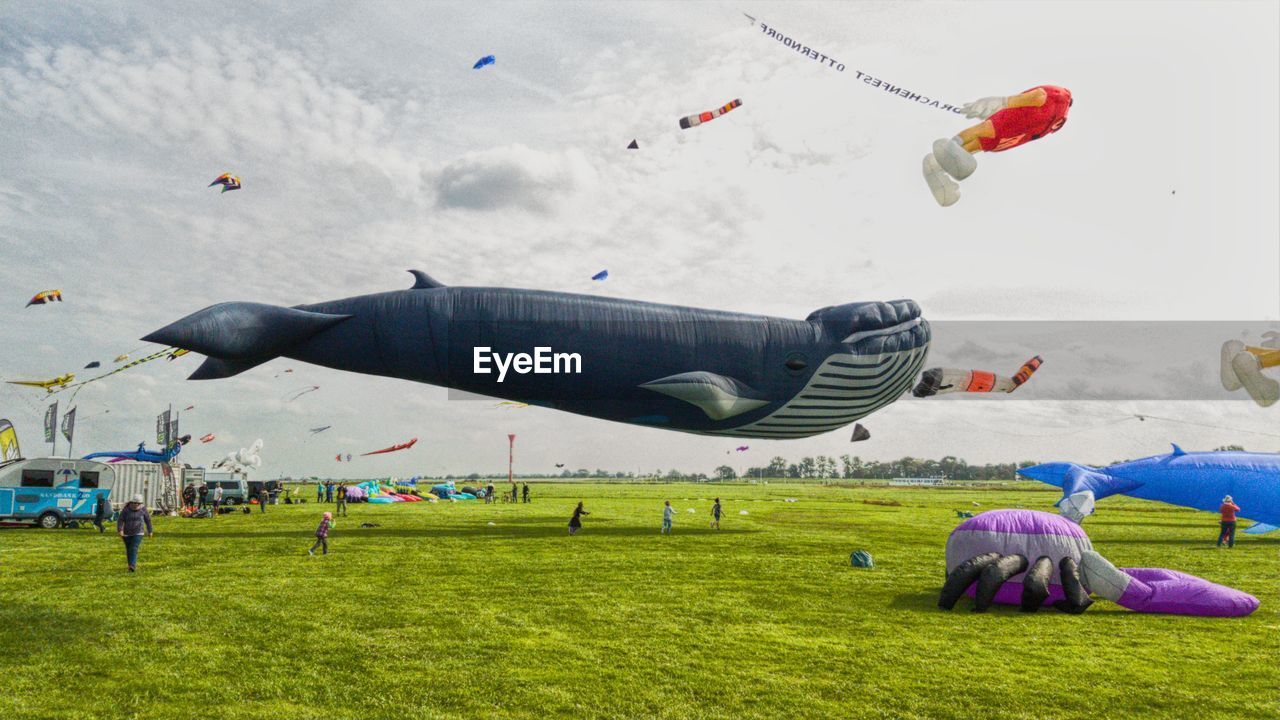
<point x="368" y="145"/>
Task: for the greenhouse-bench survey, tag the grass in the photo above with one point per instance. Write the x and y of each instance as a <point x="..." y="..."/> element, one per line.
<point x="437" y="614"/>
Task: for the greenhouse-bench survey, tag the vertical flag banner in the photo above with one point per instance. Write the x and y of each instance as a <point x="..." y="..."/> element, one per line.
<point x="69" y="424"/>
<point x="51" y="422"/>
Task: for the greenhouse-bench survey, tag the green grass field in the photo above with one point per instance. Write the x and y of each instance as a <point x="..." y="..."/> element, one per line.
<point x="437" y="614"/>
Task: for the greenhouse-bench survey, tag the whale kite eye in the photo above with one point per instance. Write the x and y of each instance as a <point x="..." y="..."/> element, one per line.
<point x="796" y="363"/>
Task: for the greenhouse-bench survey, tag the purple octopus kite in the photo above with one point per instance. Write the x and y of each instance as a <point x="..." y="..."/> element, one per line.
<point x="1030" y="558"/>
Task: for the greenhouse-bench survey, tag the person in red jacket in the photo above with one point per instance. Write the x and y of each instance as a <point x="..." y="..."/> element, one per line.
<point x="1228" y="532"/>
<point x="1007" y="122"/>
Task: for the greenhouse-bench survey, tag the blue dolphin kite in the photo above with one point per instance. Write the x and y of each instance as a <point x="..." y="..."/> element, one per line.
<point x="1197" y="480"/>
<point x="679" y="368"/>
<point x="486" y="60"/>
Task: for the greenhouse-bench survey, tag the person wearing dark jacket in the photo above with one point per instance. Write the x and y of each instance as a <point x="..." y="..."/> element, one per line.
<point x="204" y="495"/>
<point x="101" y="511"/>
<point x="575" y="522"/>
<point x="341" y="495"/>
<point x="262" y="498"/>
<point x="134" y="522"/>
<point x="525" y="490"/>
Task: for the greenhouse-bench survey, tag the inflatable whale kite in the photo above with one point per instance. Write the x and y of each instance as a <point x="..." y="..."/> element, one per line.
<point x="1197" y="480"/>
<point x="679" y="368"/>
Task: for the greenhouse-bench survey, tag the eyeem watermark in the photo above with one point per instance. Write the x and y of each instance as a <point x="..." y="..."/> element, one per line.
<point x="542" y="362"/>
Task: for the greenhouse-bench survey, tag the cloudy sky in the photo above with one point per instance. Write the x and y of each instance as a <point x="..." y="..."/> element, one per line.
<point x="367" y="146"/>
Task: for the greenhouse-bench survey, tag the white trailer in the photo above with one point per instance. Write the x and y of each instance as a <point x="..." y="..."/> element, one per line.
<point x="157" y="483"/>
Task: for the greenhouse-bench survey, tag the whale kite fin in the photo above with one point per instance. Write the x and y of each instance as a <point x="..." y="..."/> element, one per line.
<point x="1260" y="528"/>
<point x="718" y="396"/>
<point x="423" y="281"/>
<point x="241" y="335"/>
<point x="215" y="369"/>
<point x="1177" y="451"/>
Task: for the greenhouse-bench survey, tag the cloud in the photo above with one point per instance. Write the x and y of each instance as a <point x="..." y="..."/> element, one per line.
<point x="514" y="176"/>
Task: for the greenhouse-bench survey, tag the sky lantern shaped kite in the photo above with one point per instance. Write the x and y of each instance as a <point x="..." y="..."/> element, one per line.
<point x="1031" y="559"/>
<point x="941" y="381"/>
<point x="1007" y="122"/>
<point x="44" y="297"/>
<point x="486" y="60"/>
<point x="227" y="181"/>
<point x="1242" y="367"/>
<point x="708" y="116"/>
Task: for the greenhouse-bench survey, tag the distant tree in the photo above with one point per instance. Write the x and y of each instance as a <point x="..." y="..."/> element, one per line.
<point x="674" y="474"/>
<point x="777" y="467"/>
<point x="724" y="472"/>
<point x="808" y="467"/>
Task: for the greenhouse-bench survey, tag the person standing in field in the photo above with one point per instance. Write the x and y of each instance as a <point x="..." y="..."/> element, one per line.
<point x="262" y="498"/>
<point x="101" y="511"/>
<point x="319" y="492"/>
<point x="715" y="515"/>
<point x="204" y="495"/>
<point x="217" y="499"/>
<point x="322" y="534"/>
<point x="575" y="522"/>
<point x="668" y="517"/>
<point x="134" y="522"/>
<point x="525" y="490"/>
<point x="1228" y="511"/>
<point x="328" y="491"/>
<point x="341" y="498"/>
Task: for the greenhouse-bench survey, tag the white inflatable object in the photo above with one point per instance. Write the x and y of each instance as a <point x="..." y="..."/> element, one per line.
<point x="1264" y="390"/>
<point x="1230" y="349"/>
<point x="984" y="108"/>
<point x="945" y="190"/>
<point x="953" y="158"/>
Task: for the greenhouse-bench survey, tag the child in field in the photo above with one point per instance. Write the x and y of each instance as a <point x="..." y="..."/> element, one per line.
<point x="715" y="515"/>
<point x="668" y="516"/>
<point x="575" y="522"/>
<point x="322" y="534"/>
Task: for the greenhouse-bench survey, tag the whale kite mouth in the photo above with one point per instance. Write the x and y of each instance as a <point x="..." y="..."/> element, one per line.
<point x="882" y="331"/>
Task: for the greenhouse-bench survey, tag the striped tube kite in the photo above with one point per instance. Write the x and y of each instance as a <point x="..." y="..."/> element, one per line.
<point x="696" y="120"/>
<point x="940" y="381"/>
<point x="44" y="297"/>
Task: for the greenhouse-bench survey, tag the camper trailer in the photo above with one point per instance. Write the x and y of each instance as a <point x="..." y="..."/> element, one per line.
<point x="51" y="491"/>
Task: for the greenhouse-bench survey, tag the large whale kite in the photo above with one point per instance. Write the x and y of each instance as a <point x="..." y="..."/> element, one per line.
<point x="679" y="368"/>
<point x="1197" y="480"/>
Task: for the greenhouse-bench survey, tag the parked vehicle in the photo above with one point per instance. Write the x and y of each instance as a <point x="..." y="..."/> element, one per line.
<point x="235" y="489"/>
<point x="52" y="491"/>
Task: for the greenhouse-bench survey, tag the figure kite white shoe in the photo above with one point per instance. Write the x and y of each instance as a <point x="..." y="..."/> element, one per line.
<point x="945" y="190"/>
<point x="958" y="162"/>
<point x="1230" y="349"/>
<point x="1264" y="390"/>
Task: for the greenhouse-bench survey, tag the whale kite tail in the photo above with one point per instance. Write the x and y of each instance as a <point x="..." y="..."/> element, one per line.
<point x="1082" y="486"/>
<point x="237" y="336"/>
